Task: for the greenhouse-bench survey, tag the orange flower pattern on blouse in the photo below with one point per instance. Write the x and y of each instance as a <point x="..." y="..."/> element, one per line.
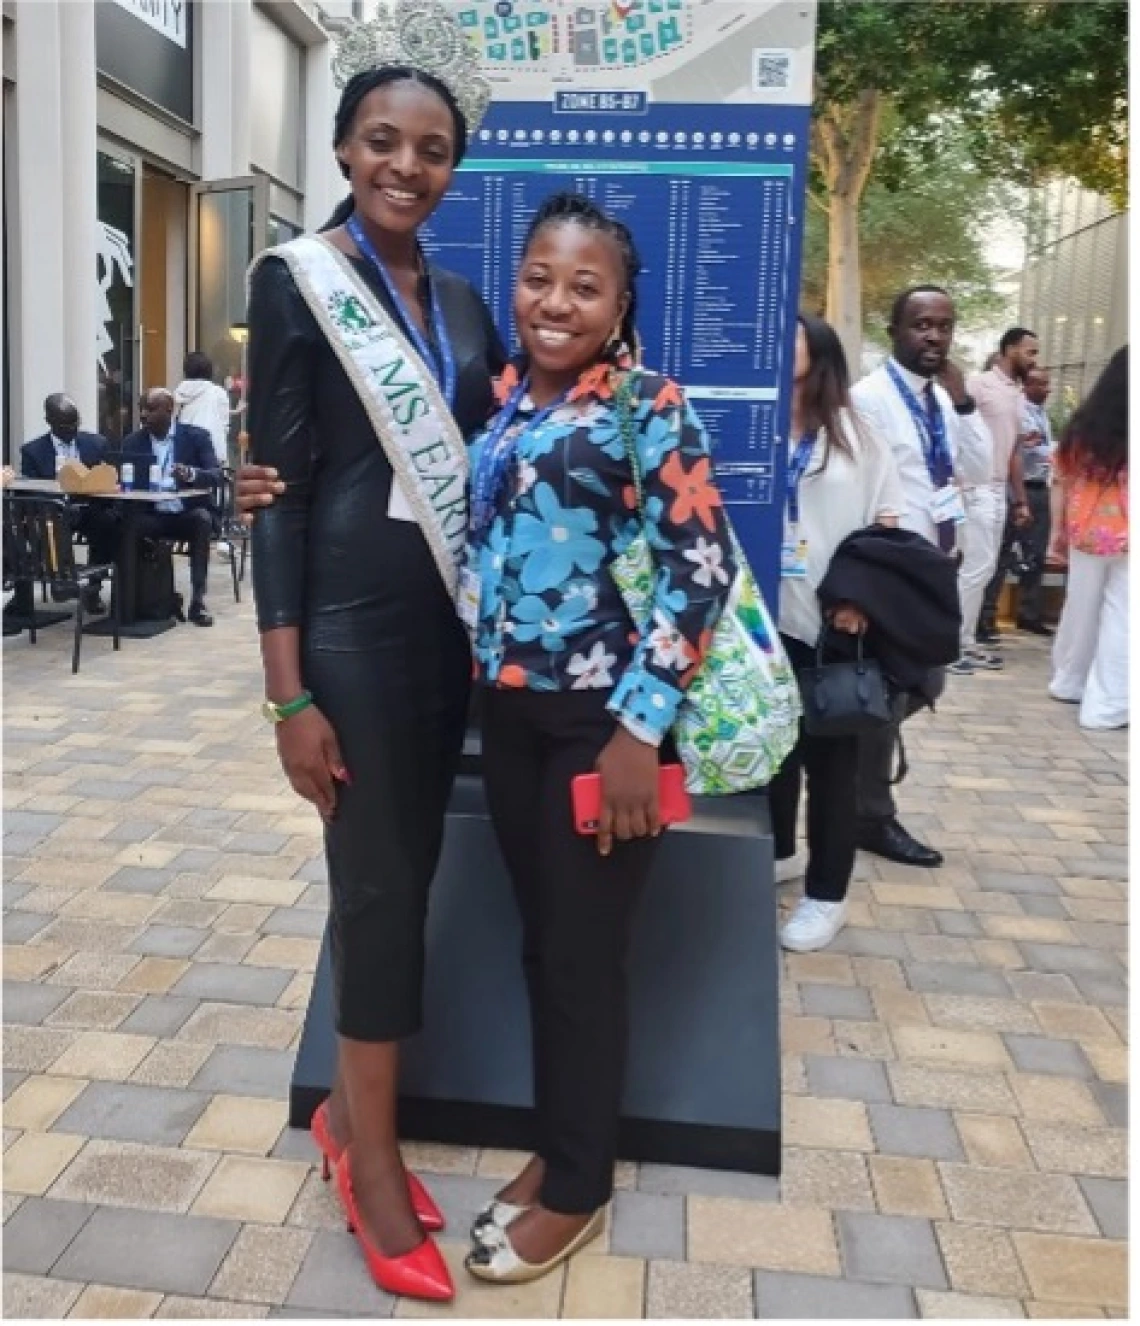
<point x="697" y="495"/>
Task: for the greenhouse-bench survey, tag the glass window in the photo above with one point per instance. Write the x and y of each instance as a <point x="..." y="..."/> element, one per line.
<point x="115" y="301"/>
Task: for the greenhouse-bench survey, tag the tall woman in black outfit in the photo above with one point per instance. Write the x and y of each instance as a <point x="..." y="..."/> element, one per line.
<point x="352" y="608"/>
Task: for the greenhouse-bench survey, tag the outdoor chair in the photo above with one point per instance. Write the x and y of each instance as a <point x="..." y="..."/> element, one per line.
<point x="39" y="546"/>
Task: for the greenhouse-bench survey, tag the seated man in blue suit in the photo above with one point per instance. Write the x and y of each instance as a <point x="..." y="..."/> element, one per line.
<point x="41" y="458"/>
<point x="184" y="455"/>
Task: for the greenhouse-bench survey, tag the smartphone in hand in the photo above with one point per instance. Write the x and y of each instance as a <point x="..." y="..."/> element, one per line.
<point x="674" y="803"/>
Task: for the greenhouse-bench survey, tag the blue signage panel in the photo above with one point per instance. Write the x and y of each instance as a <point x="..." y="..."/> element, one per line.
<point x="714" y="197"/>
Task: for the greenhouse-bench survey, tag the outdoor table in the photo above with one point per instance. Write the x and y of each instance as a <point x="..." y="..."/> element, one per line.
<point x="127" y="562"/>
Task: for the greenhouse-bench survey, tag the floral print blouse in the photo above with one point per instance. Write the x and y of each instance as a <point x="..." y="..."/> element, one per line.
<point x="550" y="616"/>
<point x="1096" y="511"/>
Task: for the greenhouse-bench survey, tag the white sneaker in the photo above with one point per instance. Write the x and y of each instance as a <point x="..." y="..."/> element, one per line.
<point x="790" y="868"/>
<point x="813" y="925"/>
<point x="985" y="659"/>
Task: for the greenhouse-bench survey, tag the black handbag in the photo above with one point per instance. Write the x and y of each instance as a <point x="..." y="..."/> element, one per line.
<point x="845" y="698"/>
<point x="155" y="598"/>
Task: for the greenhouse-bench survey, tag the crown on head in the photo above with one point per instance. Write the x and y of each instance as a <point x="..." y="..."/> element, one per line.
<point x="424" y="35"/>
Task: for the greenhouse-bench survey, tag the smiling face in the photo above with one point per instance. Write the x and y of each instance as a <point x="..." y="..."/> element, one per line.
<point x="921" y="340"/>
<point x="569" y="299"/>
<point x="400" y="154"/>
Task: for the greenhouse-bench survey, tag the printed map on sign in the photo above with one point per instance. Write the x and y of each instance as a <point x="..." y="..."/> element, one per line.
<point x="689" y="120"/>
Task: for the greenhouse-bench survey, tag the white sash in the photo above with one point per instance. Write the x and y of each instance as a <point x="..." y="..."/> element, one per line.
<point x="412" y="421"/>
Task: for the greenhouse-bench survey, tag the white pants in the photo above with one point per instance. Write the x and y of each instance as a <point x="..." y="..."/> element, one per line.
<point x="1090" y="653"/>
<point x="985" y="524"/>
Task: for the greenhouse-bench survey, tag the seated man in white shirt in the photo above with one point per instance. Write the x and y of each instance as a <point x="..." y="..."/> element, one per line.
<point x="918" y="403"/>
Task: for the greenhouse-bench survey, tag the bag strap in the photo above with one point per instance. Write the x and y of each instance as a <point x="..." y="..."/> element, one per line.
<point x="903" y="767"/>
<point x="624" y="398"/>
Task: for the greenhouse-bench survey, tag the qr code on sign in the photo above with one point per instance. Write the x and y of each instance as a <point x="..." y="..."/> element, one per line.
<point x="771" y="71"/>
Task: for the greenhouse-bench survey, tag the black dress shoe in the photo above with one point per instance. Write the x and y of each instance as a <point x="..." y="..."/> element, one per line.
<point x="199" y="616"/>
<point x="93" y="603"/>
<point x="888" y="838"/>
<point x="1035" y="628"/>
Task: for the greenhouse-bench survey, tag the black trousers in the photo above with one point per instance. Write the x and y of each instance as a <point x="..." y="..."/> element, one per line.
<point x="830" y="766"/>
<point x="877" y="756"/>
<point x="1035" y="540"/>
<point x="195" y="526"/>
<point x="100" y="526"/>
<point x="577" y="912"/>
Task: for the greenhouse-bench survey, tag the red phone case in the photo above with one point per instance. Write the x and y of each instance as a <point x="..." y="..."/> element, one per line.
<point x="674" y="802"/>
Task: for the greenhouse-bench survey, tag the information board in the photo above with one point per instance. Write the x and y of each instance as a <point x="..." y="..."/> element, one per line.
<point x="689" y="120"/>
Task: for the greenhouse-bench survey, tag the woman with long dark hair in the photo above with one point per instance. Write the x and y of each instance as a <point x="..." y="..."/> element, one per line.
<point x="1089" y="503"/>
<point x="368" y="367"/>
<point x="841" y="478"/>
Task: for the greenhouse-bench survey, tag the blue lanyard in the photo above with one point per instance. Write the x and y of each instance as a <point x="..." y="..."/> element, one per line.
<point x="797" y="468"/>
<point x="442" y="367"/>
<point x="931" y="430"/>
<point x="498" y="450"/>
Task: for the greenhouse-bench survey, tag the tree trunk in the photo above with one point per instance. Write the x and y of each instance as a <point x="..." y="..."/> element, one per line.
<point x="844" y="278"/>
<point x="847" y="134"/>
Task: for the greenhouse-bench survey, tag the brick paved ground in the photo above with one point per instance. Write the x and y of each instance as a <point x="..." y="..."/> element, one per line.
<point x="955" y="1066"/>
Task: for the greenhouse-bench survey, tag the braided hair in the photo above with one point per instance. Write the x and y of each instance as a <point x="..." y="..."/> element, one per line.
<point x="353" y="95"/>
<point x="575" y="209"/>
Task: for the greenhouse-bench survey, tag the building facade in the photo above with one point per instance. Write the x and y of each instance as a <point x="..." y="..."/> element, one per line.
<point x="151" y="148"/>
<point x="1074" y="287"/>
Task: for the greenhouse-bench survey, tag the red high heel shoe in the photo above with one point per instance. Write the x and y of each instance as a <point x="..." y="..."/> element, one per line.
<point x="427" y="1212"/>
<point x="421" y="1273"/>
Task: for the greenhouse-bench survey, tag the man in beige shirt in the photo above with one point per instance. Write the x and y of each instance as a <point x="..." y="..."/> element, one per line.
<point x="1000" y="401"/>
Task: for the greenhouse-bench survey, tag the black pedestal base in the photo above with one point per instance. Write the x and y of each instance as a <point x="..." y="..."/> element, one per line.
<point x="703" y="1078"/>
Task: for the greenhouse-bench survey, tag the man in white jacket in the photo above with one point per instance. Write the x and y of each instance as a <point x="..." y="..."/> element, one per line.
<point x="199" y="400"/>
<point x="918" y="402"/>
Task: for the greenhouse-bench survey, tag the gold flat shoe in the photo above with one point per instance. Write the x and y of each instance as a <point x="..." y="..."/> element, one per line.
<point x="495" y="1260"/>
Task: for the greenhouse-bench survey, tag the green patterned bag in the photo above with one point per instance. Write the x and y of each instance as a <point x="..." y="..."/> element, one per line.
<point x="740" y="715"/>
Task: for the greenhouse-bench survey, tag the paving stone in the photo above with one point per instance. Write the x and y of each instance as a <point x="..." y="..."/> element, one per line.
<point x="688" y="1180"/>
<point x="775" y="1237"/>
<point x="1005" y="882"/>
<point x="1034" y="985"/>
<point x="169" y="941"/>
<point x="133" y="1175"/>
<point x="1075" y="1270"/>
<point x="238" y="1024"/>
<point x="148" y="1250"/>
<point x="19" y="927"/>
<point x="180" y="1308"/>
<point x="241" y="1070"/>
<point x="128" y="1112"/>
<point x="835" y="1001"/>
<point x="1040" y="1054"/>
<point x="159" y="1015"/>
<point x="39" y="1298"/>
<point x="955" y="978"/>
<point x="333" y="1278"/>
<point x="295" y="922"/>
<point x="1108" y="1199"/>
<point x="1073" y="959"/>
<point x="35" y="1160"/>
<point x="38" y="1233"/>
<point x="945" y="1307"/>
<point x="789" y="1297"/>
<point x="835" y="1179"/>
<point x="905" y="1131"/>
<point x="27" y="1002"/>
<point x="680" y="1290"/>
<point x="133" y="831"/>
<point x="106" y="1055"/>
<point x="141" y="879"/>
<point x="1073" y="1149"/>
<point x="1109" y="990"/>
<point x="1009" y="1199"/>
<point x="37" y="1102"/>
<point x="262" y="1264"/>
<point x="1113" y="1100"/>
<point x="231" y="984"/>
<point x="890" y="1250"/>
<point x="993" y="1141"/>
<point x="244" y="1124"/>
<point x="102" y="1301"/>
<point x="604" y="1287"/>
<point x="1055" y="1099"/>
<point x="980" y="1260"/>
<point x="650" y="1225"/>
<point x="849" y="1078"/>
<point x="827" y="1123"/>
<point x="907" y="1185"/>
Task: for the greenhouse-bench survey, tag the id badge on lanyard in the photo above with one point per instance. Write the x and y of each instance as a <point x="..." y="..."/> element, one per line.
<point x="794" y="548"/>
<point x="946" y="505"/>
<point x="793" y="557"/>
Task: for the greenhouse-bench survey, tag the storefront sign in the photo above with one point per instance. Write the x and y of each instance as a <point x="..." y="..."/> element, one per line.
<point x="165" y="16"/>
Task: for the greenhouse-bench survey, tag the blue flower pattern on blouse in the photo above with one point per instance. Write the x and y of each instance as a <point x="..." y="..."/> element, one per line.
<point x="550" y="616"/>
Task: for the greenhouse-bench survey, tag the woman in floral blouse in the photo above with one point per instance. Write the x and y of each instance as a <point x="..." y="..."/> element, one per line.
<point x="1090" y="532"/>
<point x="571" y="684"/>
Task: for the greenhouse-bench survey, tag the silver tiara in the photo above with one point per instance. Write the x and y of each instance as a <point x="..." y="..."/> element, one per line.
<point x="425" y="35"/>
